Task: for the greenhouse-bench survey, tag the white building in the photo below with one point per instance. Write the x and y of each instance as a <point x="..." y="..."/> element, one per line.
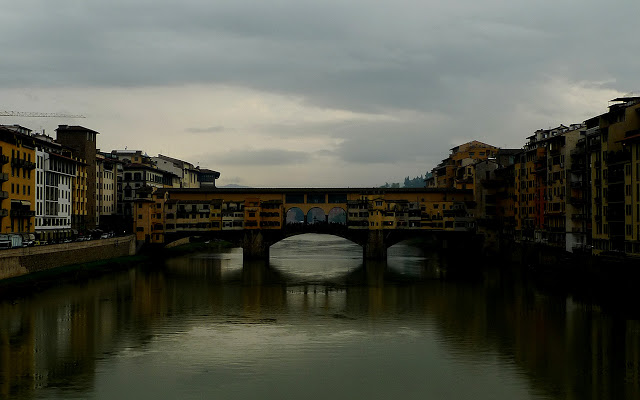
<point x="186" y="171"/>
<point x="55" y="172"/>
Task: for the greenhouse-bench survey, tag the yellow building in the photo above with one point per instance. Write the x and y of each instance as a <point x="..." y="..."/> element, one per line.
<point x="455" y="171"/>
<point x="17" y="180"/>
<point x="525" y="189"/>
<point x="613" y="195"/>
<point x="631" y="147"/>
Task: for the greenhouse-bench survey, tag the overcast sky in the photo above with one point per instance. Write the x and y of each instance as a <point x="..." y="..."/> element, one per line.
<point x="315" y="93"/>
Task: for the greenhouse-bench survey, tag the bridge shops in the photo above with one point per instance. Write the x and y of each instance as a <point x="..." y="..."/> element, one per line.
<point x="256" y="218"/>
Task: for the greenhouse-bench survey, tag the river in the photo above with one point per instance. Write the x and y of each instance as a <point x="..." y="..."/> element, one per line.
<point x="313" y="323"/>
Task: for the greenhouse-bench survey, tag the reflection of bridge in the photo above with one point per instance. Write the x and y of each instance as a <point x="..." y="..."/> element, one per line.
<point x="375" y="218"/>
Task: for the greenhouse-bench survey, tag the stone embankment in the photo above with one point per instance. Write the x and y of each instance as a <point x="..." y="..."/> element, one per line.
<point x="23" y="261"/>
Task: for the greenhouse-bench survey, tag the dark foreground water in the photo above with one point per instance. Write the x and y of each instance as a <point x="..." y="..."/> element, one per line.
<point x="314" y="324"/>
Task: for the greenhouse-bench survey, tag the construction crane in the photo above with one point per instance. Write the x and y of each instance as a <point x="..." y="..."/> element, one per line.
<point x="37" y="114"/>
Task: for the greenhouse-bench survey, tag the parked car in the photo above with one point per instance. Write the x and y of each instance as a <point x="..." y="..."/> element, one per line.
<point x="16" y="240"/>
<point x="28" y="239"/>
<point x="5" y="242"/>
<point x="104" y="236"/>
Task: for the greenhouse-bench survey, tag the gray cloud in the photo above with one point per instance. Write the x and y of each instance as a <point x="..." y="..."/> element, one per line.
<point x="266" y="157"/>
<point x="410" y="54"/>
<point x="486" y="70"/>
<point x="211" y="129"/>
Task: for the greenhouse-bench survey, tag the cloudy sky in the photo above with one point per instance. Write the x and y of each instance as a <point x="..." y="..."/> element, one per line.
<point x="276" y="93"/>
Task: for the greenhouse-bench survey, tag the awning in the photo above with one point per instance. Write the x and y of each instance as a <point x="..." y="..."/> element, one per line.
<point x="19" y="203"/>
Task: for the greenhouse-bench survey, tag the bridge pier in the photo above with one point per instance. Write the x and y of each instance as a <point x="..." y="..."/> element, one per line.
<point x="374" y="248"/>
<point x="254" y="246"/>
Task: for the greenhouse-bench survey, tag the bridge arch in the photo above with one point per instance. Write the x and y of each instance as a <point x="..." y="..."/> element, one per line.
<point x="337" y="215"/>
<point x="294" y="215"/>
<point x="316" y="215"/>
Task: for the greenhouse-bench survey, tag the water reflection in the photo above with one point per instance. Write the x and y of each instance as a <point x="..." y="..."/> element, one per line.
<point x="209" y="325"/>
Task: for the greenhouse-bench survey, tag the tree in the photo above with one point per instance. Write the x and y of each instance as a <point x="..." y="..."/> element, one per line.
<point x="416" y="182"/>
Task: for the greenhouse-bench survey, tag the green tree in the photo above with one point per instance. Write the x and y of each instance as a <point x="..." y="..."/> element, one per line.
<point x="416" y="182"/>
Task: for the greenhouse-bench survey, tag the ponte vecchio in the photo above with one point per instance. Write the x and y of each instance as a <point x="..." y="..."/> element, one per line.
<point x="256" y="218"/>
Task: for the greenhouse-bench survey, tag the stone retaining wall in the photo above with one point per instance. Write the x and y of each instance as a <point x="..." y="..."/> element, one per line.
<point x="17" y="262"/>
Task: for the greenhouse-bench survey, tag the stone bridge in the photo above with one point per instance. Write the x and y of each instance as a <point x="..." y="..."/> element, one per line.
<point x="255" y="219"/>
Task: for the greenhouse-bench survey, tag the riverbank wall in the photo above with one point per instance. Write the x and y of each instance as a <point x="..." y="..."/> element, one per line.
<point x="24" y="261"/>
<point x="579" y="271"/>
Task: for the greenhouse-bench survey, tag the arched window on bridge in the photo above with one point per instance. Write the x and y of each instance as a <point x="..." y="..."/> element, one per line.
<point x="316" y="216"/>
<point x="295" y="216"/>
<point x="337" y="215"/>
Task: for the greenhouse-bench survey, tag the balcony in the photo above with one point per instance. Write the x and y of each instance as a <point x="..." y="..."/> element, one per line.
<point x="578" y="166"/>
<point x="23" y="213"/>
<point x="4" y="194"/>
<point x="3" y="212"/>
<point x="577" y="185"/>
<point x="28" y="164"/>
<point x="4" y="159"/>
<point x="492" y="183"/>
<point x="618" y="157"/>
<point x="540" y="170"/>
<point x="577" y="152"/>
<point x="579" y="217"/>
<point x="576" y="201"/>
<point x="615" y="176"/>
<point x="4" y="177"/>
<point x="20" y="163"/>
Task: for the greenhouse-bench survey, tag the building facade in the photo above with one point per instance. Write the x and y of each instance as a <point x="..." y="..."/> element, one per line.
<point x="187" y="173"/>
<point x="614" y="191"/>
<point x="106" y="190"/>
<point x="454" y="172"/>
<point x="55" y="175"/>
<point x="82" y="141"/>
<point x="17" y="178"/>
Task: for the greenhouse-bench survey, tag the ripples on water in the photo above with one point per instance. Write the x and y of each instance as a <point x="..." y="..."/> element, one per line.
<point x="313" y="324"/>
